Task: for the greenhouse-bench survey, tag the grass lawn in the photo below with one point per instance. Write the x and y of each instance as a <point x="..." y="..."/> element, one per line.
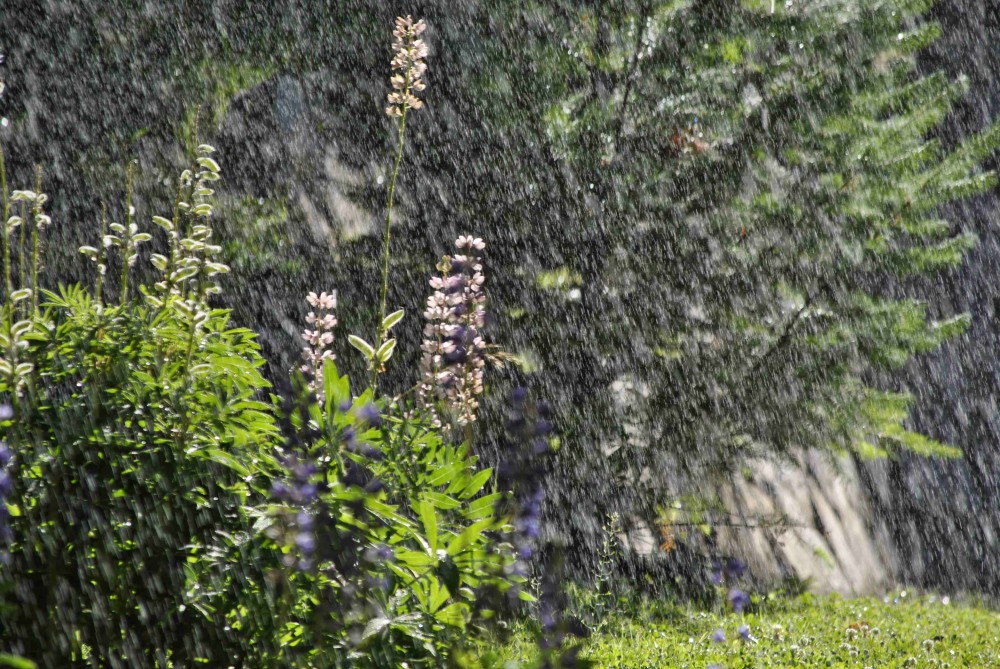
<point x="808" y="631"/>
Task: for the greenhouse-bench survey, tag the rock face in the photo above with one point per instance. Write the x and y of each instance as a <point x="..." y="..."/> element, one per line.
<point x="822" y="532"/>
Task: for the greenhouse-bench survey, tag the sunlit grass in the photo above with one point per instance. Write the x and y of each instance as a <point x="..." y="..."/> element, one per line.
<point x="805" y="632"/>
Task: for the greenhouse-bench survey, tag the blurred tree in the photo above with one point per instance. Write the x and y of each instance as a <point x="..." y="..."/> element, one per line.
<point x="690" y="207"/>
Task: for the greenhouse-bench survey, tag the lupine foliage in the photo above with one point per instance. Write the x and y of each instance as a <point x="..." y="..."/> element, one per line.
<point x="700" y="201"/>
<point x="393" y="542"/>
<point x="138" y="437"/>
<point x="152" y="513"/>
<point x="723" y="185"/>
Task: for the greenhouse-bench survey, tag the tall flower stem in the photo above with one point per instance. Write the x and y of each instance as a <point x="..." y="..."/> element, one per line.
<point x="408" y="56"/>
<point x="8" y="283"/>
<point x="101" y="258"/>
<point x="380" y="333"/>
<point x="129" y="174"/>
<point x="36" y="246"/>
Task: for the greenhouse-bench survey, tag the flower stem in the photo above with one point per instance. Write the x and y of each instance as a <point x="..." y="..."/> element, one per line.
<point x="8" y="283"/>
<point x="36" y="252"/>
<point x="380" y="334"/>
<point x="127" y="241"/>
<point x="101" y="258"/>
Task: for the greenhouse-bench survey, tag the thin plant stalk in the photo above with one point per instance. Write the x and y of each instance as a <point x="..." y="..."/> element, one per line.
<point x="101" y="257"/>
<point x="8" y="282"/>
<point x="380" y="334"/>
<point x="22" y="263"/>
<point x="36" y="244"/>
<point x="408" y="54"/>
<point x="129" y="174"/>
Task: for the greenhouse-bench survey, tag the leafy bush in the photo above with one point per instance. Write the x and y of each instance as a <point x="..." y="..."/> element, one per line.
<point x="392" y="542"/>
<point x="162" y="513"/>
<point x="138" y="437"/>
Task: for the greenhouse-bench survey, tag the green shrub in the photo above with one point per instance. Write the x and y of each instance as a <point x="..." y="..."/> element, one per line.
<point x="139" y="438"/>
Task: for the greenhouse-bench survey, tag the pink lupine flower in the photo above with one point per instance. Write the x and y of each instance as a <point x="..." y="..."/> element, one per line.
<point x="408" y="60"/>
<point x="454" y="351"/>
<point x="319" y="339"/>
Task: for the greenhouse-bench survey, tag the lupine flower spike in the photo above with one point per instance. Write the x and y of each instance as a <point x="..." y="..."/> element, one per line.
<point x="454" y="350"/>
<point x="318" y="336"/>
<point x="408" y="66"/>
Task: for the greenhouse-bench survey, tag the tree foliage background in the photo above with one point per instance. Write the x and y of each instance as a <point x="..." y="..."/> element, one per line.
<point x="697" y="211"/>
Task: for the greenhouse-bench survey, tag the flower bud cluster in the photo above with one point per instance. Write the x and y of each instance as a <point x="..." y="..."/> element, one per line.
<point x="34" y="201"/>
<point x="454" y="357"/>
<point x="318" y="336"/>
<point x="408" y="64"/>
<point x="191" y="268"/>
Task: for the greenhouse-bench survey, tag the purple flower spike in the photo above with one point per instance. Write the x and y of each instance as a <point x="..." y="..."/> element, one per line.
<point x="738" y="599"/>
<point x="716" y="575"/>
<point x="735" y="568"/>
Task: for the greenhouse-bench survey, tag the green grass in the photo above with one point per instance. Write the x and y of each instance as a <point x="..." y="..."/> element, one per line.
<point x="804" y="632"/>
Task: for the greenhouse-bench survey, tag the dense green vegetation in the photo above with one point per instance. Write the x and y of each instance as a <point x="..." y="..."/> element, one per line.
<point x="701" y="205"/>
<point x="900" y="631"/>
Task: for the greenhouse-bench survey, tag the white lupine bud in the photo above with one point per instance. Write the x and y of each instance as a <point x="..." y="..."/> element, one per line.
<point x="407" y="59"/>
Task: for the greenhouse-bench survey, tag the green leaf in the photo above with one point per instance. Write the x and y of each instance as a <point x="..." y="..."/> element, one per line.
<point x="469" y="536"/>
<point x="16" y="662"/>
<point x="445" y="474"/>
<point x="454" y="615"/>
<point x="440" y="595"/>
<point x="443" y="502"/>
<point x="484" y="507"/>
<point x="476" y="484"/>
<point x="391" y="320"/>
<point x="337" y="388"/>
<point x="164" y="223"/>
<point x="384" y="351"/>
<point x="209" y="164"/>
<point x="226" y="460"/>
<point x="366" y="349"/>
<point x="428" y="516"/>
<point x="415" y="559"/>
<point x="386" y="512"/>
<point x="374" y="628"/>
